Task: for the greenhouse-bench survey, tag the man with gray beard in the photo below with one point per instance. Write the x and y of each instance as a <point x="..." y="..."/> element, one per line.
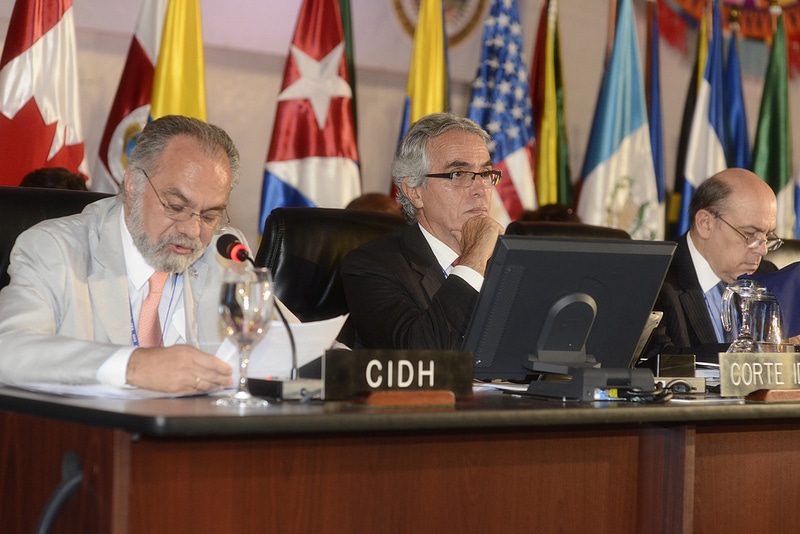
<point x="74" y="312"/>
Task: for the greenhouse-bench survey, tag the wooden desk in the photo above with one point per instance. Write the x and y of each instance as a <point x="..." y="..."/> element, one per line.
<point x="497" y="463"/>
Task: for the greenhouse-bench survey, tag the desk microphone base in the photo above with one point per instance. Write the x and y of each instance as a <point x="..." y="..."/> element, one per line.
<point x="285" y="389"/>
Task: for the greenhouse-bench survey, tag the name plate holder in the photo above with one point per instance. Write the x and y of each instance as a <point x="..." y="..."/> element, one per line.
<point x="760" y="376"/>
<point x="397" y="377"/>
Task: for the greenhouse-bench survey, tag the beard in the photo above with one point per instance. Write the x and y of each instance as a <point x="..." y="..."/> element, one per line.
<point x="157" y="253"/>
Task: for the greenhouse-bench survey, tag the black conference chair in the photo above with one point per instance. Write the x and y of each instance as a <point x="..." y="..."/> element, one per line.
<point x="303" y="248"/>
<point x="22" y="207"/>
<point x="564" y="229"/>
<point x="788" y="253"/>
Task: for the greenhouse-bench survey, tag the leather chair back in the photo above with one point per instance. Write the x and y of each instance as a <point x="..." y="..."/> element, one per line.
<point x="788" y="253"/>
<point x="564" y="229"/>
<point x="22" y="207"/>
<point x="304" y="247"/>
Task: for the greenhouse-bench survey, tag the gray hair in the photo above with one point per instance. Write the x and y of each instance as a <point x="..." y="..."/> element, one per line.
<point x="411" y="161"/>
<point x="711" y="195"/>
<point x="154" y="138"/>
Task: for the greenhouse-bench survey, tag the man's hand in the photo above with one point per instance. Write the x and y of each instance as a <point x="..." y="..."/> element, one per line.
<point x="178" y="369"/>
<point x="478" y="239"/>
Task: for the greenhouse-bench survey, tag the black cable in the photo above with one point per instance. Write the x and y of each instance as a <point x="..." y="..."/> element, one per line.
<point x="291" y="342"/>
<point x="71" y="478"/>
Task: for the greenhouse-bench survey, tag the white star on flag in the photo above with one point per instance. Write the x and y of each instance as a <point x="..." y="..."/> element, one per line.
<point x="319" y="81"/>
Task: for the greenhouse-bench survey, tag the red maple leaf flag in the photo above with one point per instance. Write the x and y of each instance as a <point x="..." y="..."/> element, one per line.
<point x="39" y="110"/>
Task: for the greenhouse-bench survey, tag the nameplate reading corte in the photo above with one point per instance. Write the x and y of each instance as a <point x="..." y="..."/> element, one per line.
<point x="349" y="373"/>
<point x="745" y="372"/>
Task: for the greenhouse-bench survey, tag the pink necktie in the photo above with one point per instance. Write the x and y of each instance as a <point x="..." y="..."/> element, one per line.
<point x="149" y="332"/>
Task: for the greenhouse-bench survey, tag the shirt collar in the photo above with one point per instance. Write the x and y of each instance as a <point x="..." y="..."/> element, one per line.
<point x="705" y="275"/>
<point x="139" y="271"/>
<point x="444" y="254"/>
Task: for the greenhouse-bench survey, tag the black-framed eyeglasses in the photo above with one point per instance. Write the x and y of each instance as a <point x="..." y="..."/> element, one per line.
<point x="177" y="212"/>
<point x="466" y="178"/>
<point x="755" y="239"/>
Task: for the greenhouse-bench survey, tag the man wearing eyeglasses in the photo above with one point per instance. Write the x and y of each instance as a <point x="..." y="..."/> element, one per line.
<point x="126" y="292"/>
<point x="416" y="288"/>
<point x="733" y="217"/>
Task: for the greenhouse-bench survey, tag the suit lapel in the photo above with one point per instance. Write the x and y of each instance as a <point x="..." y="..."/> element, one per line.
<point x="108" y="282"/>
<point x="692" y="298"/>
<point x="423" y="261"/>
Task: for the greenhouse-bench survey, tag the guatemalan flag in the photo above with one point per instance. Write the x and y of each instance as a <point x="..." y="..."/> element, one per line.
<point x="39" y="97"/>
<point x="500" y="103"/>
<point x="706" y="149"/>
<point x="618" y="187"/>
<point x="131" y="108"/>
<point x="313" y="158"/>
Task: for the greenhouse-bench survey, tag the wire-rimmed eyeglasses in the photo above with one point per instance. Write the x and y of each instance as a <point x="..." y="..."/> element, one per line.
<point x="466" y="178"/>
<point x="755" y="239"/>
<point x="177" y="212"/>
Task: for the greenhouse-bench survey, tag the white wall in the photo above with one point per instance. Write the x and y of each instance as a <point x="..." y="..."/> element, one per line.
<point x="246" y="46"/>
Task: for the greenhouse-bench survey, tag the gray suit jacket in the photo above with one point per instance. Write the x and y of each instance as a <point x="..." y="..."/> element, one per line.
<point x="66" y="309"/>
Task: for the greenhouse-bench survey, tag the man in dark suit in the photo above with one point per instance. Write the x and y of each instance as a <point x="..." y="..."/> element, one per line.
<point x="732" y="227"/>
<point x="403" y="290"/>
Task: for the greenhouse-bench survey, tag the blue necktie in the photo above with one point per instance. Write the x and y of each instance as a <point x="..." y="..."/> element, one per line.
<point x="714" y="303"/>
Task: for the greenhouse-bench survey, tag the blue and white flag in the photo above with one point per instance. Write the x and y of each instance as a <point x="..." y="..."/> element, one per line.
<point x="738" y="140"/>
<point x="705" y="153"/>
<point x="618" y="187"/>
<point x="654" y="115"/>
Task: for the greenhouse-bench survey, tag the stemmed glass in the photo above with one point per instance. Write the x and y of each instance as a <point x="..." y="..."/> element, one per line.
<point x="245" y="303"/>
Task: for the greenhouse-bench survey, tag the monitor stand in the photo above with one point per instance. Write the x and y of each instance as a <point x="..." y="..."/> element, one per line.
<point x="592" y="384"/>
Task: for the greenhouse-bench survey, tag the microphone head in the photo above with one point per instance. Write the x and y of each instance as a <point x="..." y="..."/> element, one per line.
<point x="229" y="246"/>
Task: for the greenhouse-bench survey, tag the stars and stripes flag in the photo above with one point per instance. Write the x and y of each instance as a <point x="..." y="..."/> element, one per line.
<point x="313" y="157"/>
<point x="618" y="187"/>
<point x="706" y="148"/>
<point x="131" y="107"/>
<point x="39" y="98"/>
<point x="500" y="103"/>
<point x="551" y="150"/>
<point x="772" y="149"/>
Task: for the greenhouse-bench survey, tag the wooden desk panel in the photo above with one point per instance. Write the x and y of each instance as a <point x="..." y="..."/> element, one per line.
<point x="748" y="478"/>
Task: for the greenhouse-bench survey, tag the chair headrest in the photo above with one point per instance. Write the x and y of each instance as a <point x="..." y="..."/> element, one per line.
<point x="564" y="229"/>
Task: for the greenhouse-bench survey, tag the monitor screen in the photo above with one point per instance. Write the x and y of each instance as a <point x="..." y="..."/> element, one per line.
<point x="550" y="304"/>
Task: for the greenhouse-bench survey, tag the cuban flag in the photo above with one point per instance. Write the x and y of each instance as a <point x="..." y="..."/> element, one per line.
<point x="313" y="157"/>
<point x="131" y="108"/>
<point x="618" y="187"/>
<point x="39" y="98"/>
<point x="705" y="152"/>
<point x="500" y="103"/>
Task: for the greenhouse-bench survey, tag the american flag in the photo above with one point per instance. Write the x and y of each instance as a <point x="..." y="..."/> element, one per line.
<point x="500" y="103"/>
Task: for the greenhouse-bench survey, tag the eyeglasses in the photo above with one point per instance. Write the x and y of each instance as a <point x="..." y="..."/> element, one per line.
<point x="176" y="212"/>
<point x="467" y="178"/>
<point x="755" y="239"/>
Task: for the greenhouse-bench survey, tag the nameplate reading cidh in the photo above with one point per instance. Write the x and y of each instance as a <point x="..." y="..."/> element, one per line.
<point x="743" y="373"/>
<point x="349" y="373"/>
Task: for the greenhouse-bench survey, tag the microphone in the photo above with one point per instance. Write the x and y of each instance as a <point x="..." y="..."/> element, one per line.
<point x="229" y="246"/>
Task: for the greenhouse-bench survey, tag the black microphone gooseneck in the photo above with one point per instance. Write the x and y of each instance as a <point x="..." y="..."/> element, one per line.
<point x="229" y="246"/>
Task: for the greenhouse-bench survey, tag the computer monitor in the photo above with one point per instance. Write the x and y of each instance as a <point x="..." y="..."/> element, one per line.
<point x="549" y="305"/>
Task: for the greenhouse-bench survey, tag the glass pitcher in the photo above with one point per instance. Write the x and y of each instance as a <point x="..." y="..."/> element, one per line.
<point x="759" y="316"/>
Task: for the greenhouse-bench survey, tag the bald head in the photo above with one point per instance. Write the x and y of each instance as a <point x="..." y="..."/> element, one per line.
<point x="724" y="210"/>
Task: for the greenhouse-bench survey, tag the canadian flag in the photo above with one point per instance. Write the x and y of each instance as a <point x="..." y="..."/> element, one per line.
<point x="39" y="105"/>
